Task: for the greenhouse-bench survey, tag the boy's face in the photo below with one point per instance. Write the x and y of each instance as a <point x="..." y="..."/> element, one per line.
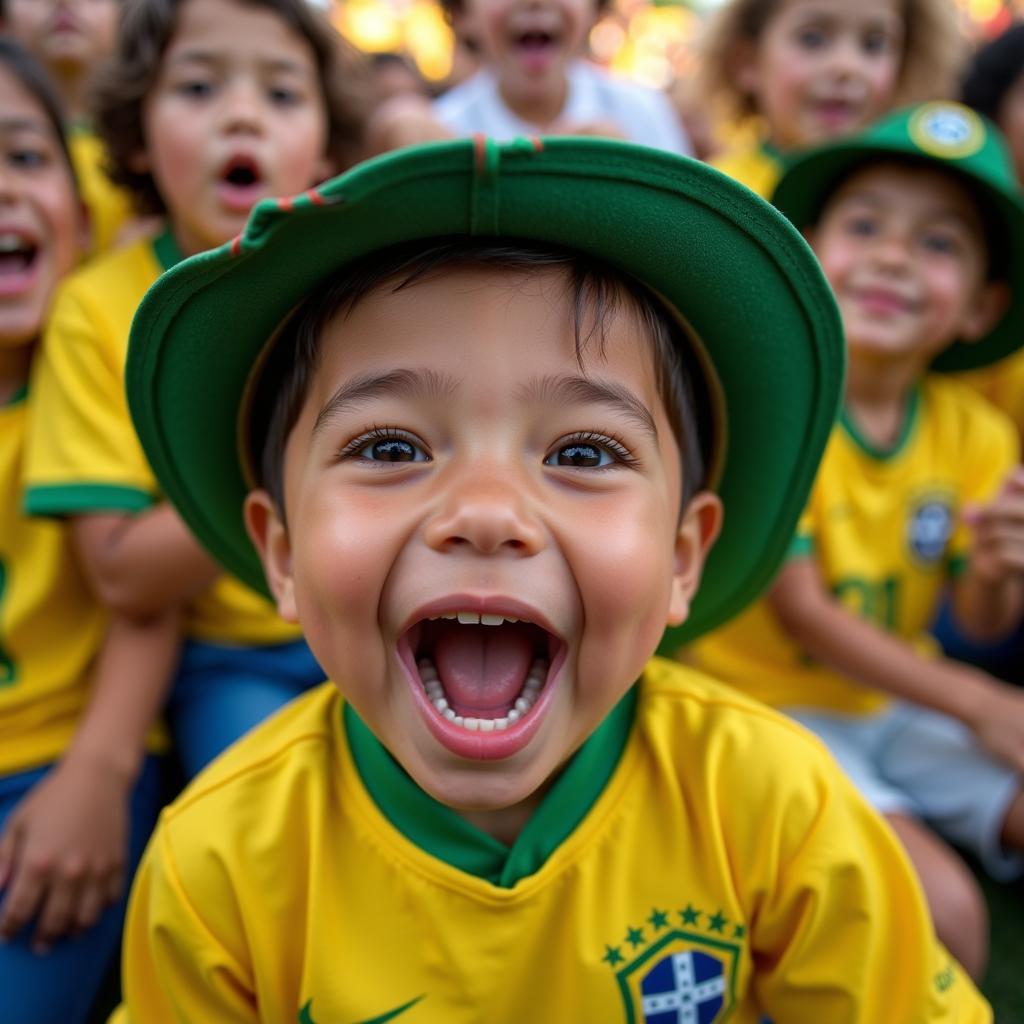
<point x="530" y="43"/>
<point x="904" y="250"/>
<point x="41" y="223"/>
<point x="453" y="458"/>
<point x="823" y="68"/>
<point x="66" y="35"/>
<point x="235" y="114"/>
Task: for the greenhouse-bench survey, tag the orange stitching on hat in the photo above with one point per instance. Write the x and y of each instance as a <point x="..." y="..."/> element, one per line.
<point x="480" y="151"/>
<point x="236" y="245"/>
<point x="285" y="204"/>
<point x="538" y="144"/>
<point x="315" y="198"/>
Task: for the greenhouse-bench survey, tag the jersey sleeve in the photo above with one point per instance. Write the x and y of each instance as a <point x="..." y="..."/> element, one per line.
<point x="175" y="968"/>
<point x="82" y="454"/>
<point x="845" y="935"/>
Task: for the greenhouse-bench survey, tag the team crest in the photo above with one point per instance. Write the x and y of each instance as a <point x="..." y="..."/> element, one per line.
<point x="928" y="531"/>
<point x="947" y="130"/>
<point x="670" y="975"/>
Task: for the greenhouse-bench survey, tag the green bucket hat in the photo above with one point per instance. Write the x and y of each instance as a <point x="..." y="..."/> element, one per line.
<point x="948" y="135"/>
<point x="742" y="279"/>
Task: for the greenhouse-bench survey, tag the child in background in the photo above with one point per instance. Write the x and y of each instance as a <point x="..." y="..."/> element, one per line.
<point x="919" y="227"/>
<point x="72" y="38"/>
<point x="482" y="432"/>
<point x="78" y="795"/>
<point x="994" y="86"/>
<point x="534" y="80"/>
<point x="785" y="74"/>
<point x="209" y="106"/>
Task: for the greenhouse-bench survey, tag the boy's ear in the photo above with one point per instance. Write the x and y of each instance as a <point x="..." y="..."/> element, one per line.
<point x="991" y="302"/>
<point x="745" y="69"/>
<point x="698" y="530"/>
<point x="270" y="537"/>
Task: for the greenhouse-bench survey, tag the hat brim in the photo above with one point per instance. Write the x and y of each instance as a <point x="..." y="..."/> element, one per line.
<point x="811" y="178"/>
<point x="736" y="270"/>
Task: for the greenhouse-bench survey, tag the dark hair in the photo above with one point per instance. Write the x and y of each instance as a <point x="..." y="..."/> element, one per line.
<point x="993" y="70"/>
<point x="598" y="291"/>
<point x="34" y="78"/>
<point x="146" y="28"/>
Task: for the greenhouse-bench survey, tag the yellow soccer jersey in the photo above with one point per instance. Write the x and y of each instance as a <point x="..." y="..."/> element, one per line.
<point x="757" y="167"/>
<point x="1003" y="385"/>
<point x="723" y="867"/>
<point x="50" y="625"/>
<point x="109" y="206"/>
<point x="886" y="532"/>
<point x="83" y="455"/>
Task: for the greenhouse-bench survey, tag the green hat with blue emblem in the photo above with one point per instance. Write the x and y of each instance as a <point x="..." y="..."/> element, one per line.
<point x="743" y="281"/>
<point x="947" y="135"/>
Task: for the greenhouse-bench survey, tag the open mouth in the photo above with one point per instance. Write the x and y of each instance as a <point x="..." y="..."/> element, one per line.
<point x="482" y="673"/>
<point x="536" y="47"/>
<point x="241" y="182"/>
<point x="17" y="254"/>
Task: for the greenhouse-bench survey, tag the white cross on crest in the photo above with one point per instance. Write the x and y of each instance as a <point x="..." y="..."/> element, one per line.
<point x="687" y="994"/>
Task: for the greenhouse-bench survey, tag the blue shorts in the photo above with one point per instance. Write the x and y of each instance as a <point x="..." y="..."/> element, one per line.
<point x="1002" y="658"/>
<point x="914" y="761"/>
<point x="221" y="691"/>
<point x="63" y="984"/>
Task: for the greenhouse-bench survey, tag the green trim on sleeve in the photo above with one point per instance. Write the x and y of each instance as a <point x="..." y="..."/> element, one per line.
<point x="957" y="565"/>
<point x="76" y="499"/>
<point x="443" y="833"/>
<point x="18" y="396"/>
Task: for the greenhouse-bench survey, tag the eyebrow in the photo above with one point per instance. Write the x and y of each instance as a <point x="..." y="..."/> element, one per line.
<point x="405" y="384"/>
<point x="943" y="213"/>
<point x="214" y="58"/>
<point x="21" y="124"/>
<point x="574" y="389"/>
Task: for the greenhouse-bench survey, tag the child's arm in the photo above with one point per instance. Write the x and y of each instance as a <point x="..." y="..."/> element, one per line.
<point x="143" y="564"/>
<point x="988" y="599"/>
<point x="830" y="634"/>
<point x="62" y="855"/>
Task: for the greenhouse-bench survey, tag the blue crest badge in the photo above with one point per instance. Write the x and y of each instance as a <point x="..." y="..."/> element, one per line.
<point x="684" y="988"/>
<point x="928" y="531"/>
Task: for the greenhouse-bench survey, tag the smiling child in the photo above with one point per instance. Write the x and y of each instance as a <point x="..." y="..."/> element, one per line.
<point x="478" y="397"/>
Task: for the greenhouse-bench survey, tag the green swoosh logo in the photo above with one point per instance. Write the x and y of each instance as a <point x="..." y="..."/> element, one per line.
<point x="306" y="1013"/>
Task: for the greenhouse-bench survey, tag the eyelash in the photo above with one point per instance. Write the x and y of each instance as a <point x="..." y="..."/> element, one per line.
<point x="386" y="433"/>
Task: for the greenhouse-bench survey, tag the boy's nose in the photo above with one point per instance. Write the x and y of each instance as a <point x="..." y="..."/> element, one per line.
<point x="243" y="109"/>
<point x="489" y="515"/>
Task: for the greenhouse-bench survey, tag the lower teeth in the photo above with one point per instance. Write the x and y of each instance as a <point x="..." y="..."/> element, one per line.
<point x="531" y="690"/>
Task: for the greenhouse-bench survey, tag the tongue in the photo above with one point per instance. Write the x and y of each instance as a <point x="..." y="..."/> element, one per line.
<point x="483" y="668"/>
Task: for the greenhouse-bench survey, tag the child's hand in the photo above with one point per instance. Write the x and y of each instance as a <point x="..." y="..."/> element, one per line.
<point x="998" y="722"/>
<point x="62" y="854"/>
<point x="998" y="550"/>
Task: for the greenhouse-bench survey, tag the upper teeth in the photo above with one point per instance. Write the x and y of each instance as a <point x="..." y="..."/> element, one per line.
<point x="11" y="243"/>
<point x="476" y="619"/>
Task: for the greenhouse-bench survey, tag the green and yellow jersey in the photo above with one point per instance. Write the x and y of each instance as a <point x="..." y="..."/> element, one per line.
<point x="757" y="166"/>
<point x="50" y="624"/>
<point x="83" y="455"/>
<point x="109" y="206"/>
<point x="886" y="532"/>
<point x="699" y="853"/>
<point x="1003" y="385"/>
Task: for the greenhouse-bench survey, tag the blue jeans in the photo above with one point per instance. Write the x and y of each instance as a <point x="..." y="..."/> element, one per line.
<point x="62" y="985"/>
<point x="222" y="691"/>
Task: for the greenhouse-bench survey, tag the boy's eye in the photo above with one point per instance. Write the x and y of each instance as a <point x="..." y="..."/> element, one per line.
<point x="940" y="243"/>
<point x="284" y="96"/>
<point x="875" y="43"/>
<point x="862" y="226"/>
<point x="26" y="158"/>
<point x="589" y="452"/>
<point x="195" y="88"/>
<point x="385" y="446"/>
<point x="811" y="38"/>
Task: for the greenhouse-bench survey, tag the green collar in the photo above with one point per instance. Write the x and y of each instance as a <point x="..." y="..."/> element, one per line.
<point x="872" y="450"/>
<point x="16" y="398"/>
<point x="166" y="250"/>
<point x="443" y="833"/>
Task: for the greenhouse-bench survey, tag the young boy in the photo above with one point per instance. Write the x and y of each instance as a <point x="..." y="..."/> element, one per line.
<point x="246" y="100"/>
<point x="479" y="394"/>
<point x="920" y="230"/>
